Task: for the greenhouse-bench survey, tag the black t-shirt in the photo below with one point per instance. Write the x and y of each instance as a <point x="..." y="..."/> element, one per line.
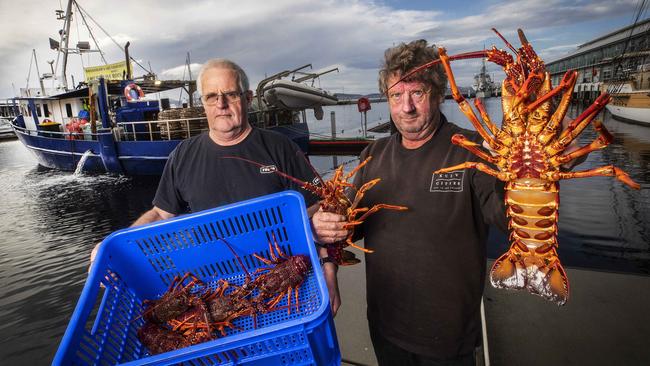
<point x="196" y="177"/>
<point x="425" y="278"/>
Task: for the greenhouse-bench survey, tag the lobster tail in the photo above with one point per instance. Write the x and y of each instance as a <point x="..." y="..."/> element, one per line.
<point x="532" y="263"/>
<point x="541" y="275"/>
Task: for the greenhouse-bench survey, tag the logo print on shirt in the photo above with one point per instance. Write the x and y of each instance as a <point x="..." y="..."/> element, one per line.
<point x="268" y="169"/>
<point x="447" y="182"/>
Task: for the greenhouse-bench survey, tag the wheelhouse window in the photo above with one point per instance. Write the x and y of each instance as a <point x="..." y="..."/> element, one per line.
<point x="68" y="110"/>
<point x="38" y="110"/>
<point x="46" y="110"/>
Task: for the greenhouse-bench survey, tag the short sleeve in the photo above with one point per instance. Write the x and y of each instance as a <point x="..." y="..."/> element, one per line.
<point x="490" y="194"/>
<point x="168" y="197"/>
<point x="299" y="167"/>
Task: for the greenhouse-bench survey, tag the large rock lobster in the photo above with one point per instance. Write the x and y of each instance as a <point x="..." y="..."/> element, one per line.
<point x="528" y="151"/>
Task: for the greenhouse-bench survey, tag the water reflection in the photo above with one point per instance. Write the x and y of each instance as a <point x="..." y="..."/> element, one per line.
<point x="50" y="221"/>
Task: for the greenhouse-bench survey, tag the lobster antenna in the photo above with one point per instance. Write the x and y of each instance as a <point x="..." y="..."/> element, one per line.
<point x="506" y="41"/>
<point x="460" y="56"/>
<point x="322" y="182"/>
<point x="522" y="37"/>
<point x="296" y="180"/>
<point x="310" y="187"/>
<point x="236" y="256"/>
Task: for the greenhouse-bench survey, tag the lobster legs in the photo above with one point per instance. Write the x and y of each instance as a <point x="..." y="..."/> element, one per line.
<point x="604" y="171"/>
<point x="465" y="107"/>
<point x="504" y="176"/>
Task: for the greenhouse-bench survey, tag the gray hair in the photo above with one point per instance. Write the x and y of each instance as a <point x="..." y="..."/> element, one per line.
<point x="404" y="57"/>
<point x="222" y="63"/>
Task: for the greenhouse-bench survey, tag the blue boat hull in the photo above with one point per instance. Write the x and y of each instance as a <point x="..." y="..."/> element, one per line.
<point x="117" y="157"/>
<point x="57" y="153"/>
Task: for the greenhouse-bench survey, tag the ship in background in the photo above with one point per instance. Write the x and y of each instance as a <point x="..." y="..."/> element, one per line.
<point x="483" y="85"/>
<point x="630" y="95"/>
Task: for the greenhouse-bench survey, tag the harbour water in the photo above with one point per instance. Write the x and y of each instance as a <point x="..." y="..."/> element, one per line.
<point x="50" y="221"/>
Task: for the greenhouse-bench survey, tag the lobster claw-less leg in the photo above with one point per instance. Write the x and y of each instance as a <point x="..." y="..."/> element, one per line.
<point x="466" y="108"/>
<point x="605" y="171"/>
<point x="367" y="212"/>
<point x="577" y="126"/>
<point x="475" y="149"/>
<point x="604" y="138"/>
<point x="538" y="273"/>
<point x="504" y="176"/>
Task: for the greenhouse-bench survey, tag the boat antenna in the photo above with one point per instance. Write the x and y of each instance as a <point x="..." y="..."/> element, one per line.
<point x="38" y="73"/>
<point x="29" y="71"/>
<point x="83" y="18"/>
<point x="618" y="85"/>
<point x="189" y="71"/>
<point x="65" y="38"/>
<point x="109" y="36"/>
<point x="190" y="92"/>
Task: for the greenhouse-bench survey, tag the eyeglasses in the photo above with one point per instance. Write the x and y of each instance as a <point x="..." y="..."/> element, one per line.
<point x="417" y="95"/>
<point x="212" y="99"/>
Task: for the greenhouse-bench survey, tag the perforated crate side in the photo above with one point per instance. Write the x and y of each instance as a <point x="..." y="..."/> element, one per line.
<point x="139" y="263"/>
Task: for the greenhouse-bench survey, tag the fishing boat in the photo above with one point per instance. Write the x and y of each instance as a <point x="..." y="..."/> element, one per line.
<point x="631" y="96"/>
<point x="116" y="123"/>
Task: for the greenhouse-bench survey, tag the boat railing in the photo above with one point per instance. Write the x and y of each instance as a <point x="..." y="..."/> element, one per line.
<point x="163" y="129"/>
<point x="60" y="135"/>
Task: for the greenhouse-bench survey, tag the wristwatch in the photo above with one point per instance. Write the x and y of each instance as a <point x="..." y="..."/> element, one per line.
<point x="327" y="260"/>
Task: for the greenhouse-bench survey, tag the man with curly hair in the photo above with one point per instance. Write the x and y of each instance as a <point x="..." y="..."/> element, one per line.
<point x="425" y="278"/>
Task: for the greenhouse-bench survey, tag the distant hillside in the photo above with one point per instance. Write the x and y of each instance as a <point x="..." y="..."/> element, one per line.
<point x="346" y="96"/>
<point x="465" y="90"/>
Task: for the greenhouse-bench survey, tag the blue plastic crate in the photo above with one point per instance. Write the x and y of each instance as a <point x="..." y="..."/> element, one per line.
<point x="139" y="263"/>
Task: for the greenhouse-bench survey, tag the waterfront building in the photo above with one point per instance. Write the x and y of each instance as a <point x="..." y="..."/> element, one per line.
<point x="608" y="58"/>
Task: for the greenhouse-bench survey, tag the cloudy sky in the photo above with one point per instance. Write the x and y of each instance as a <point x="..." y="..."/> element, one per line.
<point x="266" y="37"/>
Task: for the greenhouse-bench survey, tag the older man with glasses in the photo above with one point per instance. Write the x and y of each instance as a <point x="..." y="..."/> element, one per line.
<point x="197" y="177"/>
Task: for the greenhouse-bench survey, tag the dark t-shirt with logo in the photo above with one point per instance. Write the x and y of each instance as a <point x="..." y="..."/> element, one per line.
<point x="425" y="278"/>
<point x="197" y="177"/>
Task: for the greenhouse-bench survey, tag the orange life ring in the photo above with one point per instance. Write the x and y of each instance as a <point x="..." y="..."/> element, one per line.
<point x="133" y="92"/>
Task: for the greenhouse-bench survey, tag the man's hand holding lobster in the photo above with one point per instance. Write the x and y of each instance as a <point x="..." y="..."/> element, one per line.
<point x="329" y="228"/>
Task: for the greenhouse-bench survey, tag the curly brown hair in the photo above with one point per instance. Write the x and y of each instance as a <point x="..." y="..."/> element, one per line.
<point x="405" y="57"/>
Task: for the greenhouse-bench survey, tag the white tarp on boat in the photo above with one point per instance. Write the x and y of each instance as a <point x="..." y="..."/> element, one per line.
<point x="287" y="94"/>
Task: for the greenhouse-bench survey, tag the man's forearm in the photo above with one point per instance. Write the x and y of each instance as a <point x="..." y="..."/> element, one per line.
<point x="155" y="214"/>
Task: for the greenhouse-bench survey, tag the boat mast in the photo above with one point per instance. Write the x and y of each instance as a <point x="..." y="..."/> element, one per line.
<point x="65" y="38"/>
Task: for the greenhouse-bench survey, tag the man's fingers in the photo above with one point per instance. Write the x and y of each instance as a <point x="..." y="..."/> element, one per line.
<point x="331" y="236"/>
<point x="329" y="216"/>
<point x="330" y="226"/>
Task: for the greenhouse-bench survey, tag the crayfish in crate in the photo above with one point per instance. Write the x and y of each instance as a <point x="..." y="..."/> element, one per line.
<point x="178" y="319"/>
<point x="284" y="276"/>
<point x="335" y="198"/>
<point x="528" y="151"/>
